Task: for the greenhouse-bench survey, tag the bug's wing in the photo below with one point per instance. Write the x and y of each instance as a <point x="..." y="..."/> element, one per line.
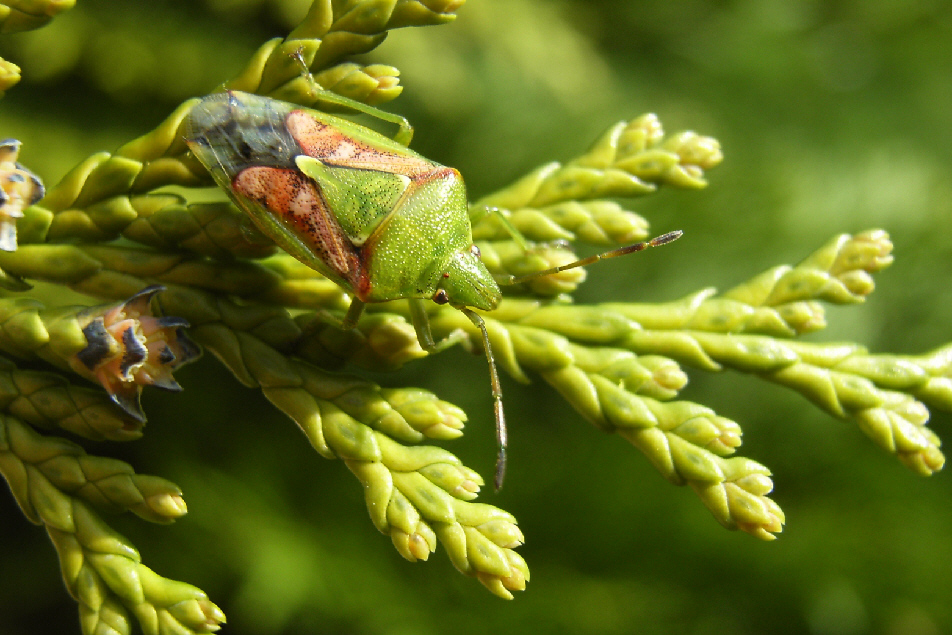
<point x="288" y="207"/>
<point x="360" y="199"/>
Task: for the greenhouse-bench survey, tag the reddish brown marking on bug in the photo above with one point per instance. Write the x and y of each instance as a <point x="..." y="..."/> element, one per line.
<point x="294" y="198"/>
<point x="333" y="147"/>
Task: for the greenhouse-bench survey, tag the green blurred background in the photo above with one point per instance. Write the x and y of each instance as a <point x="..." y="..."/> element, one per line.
<point x="834" y="117"/>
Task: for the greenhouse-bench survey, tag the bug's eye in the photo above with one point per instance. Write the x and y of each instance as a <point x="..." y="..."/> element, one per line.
<point x="440" y="297"/>
<point x="473" y="249"/>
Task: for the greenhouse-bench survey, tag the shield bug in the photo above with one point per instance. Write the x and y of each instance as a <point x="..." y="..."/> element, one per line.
<point x="378" y="219"/>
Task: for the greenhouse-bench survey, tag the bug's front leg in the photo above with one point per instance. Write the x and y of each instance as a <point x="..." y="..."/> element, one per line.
<point x="421" y="324"/>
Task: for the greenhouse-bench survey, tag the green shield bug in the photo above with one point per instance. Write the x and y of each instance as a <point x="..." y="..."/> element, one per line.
<point x="378" y="219"/>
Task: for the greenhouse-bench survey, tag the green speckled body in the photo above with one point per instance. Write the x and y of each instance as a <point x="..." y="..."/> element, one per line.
<point x="376" y="218"/>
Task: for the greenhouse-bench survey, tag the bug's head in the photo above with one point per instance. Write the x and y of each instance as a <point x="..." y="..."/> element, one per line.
<point x="466" y="282"/>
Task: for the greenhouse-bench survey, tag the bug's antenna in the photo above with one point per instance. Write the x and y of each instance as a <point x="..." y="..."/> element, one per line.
<point x="502" y="437"/>
<point x="502" y="440"/>
<point x="663" y="239"/>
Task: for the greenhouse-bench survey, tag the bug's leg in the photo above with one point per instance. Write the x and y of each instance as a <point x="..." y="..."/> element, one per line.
<point x="421" y="324"/>
<point x="403" y="135"/>
<point x="502" y="437"/>
<point x="354" y="312"/>
<point x="504" y="221"/>
<point x="326" y="317"/>
<point x="664" y="239"/>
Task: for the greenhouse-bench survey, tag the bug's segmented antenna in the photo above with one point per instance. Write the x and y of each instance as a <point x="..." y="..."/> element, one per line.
<point x="502" y="440"/>
<point x="657" y="241"/>
<point x="502" y="437"/>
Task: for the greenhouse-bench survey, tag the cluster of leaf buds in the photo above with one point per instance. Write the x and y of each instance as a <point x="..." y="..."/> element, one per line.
<point x="19" y="188"/>
<point x="128" y="348"/>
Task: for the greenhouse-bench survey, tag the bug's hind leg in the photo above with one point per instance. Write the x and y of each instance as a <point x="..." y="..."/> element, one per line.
<point x="404" y="133"/>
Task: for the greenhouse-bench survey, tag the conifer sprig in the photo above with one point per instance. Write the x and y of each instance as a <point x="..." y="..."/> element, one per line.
<point x="111" y="229"/>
